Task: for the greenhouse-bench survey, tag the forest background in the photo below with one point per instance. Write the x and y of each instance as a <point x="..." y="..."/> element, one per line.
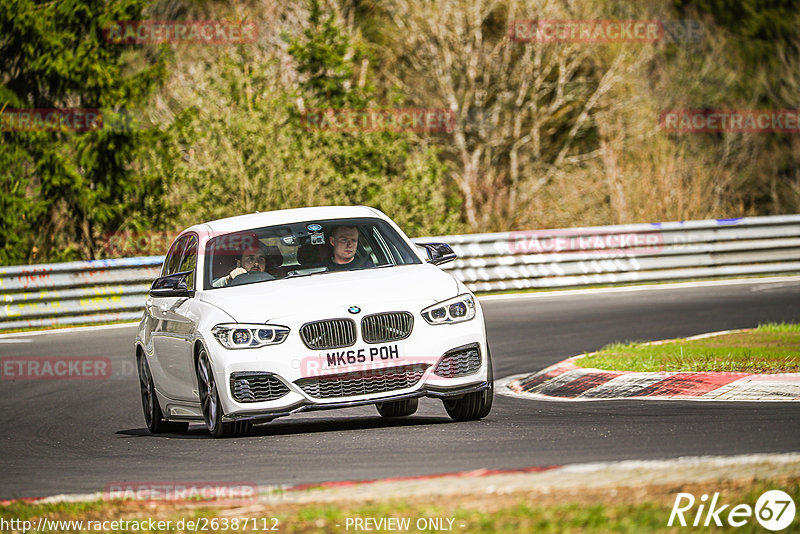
<point x="545" y="135"/>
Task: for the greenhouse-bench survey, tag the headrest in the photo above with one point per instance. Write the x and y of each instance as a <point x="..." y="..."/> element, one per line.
<point x="273" y="254"/>
<point x="313" y="255"/>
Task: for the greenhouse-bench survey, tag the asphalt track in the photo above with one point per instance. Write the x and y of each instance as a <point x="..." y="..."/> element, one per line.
<point x="78" y="436"/>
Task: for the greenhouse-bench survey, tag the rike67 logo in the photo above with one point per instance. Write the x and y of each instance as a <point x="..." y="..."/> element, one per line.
<point x="774" y="510"/>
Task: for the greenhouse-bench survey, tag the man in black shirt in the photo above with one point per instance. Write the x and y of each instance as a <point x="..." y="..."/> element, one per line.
<point x="344" y="240"/>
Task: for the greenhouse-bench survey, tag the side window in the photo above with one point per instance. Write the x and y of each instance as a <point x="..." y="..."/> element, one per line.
<point x="366" y="247"/>
<point x="386" y="256"/>
<point x="174" y="257"/>
<point x="189" y="261"/>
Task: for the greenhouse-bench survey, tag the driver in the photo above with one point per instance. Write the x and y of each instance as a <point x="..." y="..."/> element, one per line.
<point x="253" y="260"/>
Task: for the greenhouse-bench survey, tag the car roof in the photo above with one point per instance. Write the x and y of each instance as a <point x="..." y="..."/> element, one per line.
<point x="270" y="218"/>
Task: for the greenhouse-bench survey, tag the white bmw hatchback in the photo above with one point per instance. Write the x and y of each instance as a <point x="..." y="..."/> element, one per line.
<point x="266" y="315"/>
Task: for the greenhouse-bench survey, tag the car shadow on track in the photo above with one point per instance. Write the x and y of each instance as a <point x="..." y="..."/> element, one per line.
<point x="304" y="426"/>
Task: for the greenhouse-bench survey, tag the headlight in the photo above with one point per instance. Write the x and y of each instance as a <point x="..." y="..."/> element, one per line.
<point x="455" y="310"/>
<point x="249" y="336"/>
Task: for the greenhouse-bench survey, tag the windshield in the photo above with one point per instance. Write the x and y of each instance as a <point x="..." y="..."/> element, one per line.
<point x="303" y="249"/>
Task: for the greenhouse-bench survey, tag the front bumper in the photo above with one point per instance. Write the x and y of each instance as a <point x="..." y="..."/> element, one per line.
<point x="294" y="368"/>
<point x="455" y="392"/>
<point x="297" y="367"/>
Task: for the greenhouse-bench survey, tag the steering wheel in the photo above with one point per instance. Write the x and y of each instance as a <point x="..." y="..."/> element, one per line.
<point x="249" y="277"/>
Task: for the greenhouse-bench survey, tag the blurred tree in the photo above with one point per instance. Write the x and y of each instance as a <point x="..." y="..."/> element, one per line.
<point x="547" y="134"/>
<point x="325" y="59"/>
<point x="246" y="147"/>
<point x="761" y="26"/>
<point x="72" y="188"/>
<point x="760" y="57"/>
<point x="525" y="109"/>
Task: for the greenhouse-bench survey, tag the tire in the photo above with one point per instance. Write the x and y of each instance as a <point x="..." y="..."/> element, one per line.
<point x="401" y="408"/>
<point x="153" y="416"/>
<point x="211" y="406"/>
<point x="472" y="406"/>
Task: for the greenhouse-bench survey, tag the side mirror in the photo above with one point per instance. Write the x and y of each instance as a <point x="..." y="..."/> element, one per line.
<point x="438" y="253"/>
<point x="172" y="285"/>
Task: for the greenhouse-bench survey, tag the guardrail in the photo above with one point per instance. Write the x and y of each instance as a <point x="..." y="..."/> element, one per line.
<point x="115" y="290"/>
<point x="78" y="292"/>
<point x="631" y="253"/>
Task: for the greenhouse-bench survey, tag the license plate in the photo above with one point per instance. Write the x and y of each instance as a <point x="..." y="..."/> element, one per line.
<point x="366" y="357"/>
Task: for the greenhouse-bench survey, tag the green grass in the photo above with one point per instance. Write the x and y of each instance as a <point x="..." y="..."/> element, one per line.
<point x="770" y="348"/>
<point x="630" y="510"/>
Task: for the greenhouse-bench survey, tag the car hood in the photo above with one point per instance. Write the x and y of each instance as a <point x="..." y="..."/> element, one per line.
<point x="333" y="293"/>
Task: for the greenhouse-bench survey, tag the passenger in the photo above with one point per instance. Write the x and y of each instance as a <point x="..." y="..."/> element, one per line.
<point x="253" y="259"/>
<point x="344" y="240"/>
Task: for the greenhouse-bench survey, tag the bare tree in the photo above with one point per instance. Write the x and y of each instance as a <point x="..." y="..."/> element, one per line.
<point x="523" y="108"/>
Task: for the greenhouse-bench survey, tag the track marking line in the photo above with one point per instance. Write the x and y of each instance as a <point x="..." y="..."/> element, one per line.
<point x="68" y="330"/>
<point x="785" y="280"/>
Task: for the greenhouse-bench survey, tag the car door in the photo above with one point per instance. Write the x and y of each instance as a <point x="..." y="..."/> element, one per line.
<point x="175" y="324"/>
<point x="155" y="313"/>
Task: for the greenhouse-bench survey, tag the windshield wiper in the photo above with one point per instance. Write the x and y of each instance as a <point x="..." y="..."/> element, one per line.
<point x="314" y="270"/>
